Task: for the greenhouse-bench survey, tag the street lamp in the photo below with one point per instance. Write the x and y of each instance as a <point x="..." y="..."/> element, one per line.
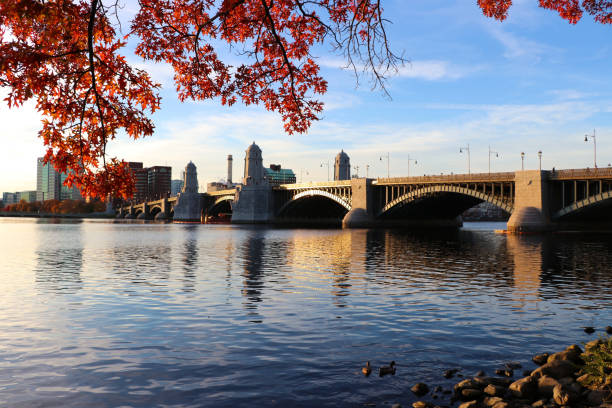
<point x="387" y="156"/>
<point x="467" y="149"/>
<point x="586" y="139"/>
<point x="490" y="153"/>
<point x="367" y="170"/>
<point x="540" y="158"/>
<point x="356" y="168"/>
<point x="415" y="162"/>
<point x="326" y="164"/>
<point x="301" y="173"/>
<point x="522" y="160"/>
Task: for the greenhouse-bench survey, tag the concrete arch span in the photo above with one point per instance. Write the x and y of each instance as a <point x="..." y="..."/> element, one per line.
<point x="315" y="205"/>
<point x="444" y="201"/>
<point x="593" y="208"/>
<point x="222" y="204"/>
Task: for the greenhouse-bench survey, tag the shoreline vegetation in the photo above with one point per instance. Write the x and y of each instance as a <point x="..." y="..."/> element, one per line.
<point x="572" y="378"/>
<point x="56" y="209"/>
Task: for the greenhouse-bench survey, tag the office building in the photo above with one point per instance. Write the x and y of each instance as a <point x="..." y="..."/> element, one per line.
<point x="175" y="187"/>
<point x="277" y="175"/>
<point x="159" y="181"/>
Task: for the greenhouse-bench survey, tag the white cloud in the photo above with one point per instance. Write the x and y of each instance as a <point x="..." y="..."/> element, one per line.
<point x="517" y="47"/>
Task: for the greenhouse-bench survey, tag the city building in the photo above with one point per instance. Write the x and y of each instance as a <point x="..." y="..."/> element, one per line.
<point x="9" y="198"/>
<point x="175" y="187"/>
<point x="277" y="175"/>
<point x="141" y="181"/>
<point x="159" y="181"/>
<point x="342" y="167"/>
<point x="50" y="184"/>
<point x="27" y="196"/>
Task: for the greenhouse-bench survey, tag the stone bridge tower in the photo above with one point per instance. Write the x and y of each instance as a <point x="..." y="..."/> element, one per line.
<point x="188" y="206"/>
<point x="342" y="167"/>
<point x="253" y="202"/>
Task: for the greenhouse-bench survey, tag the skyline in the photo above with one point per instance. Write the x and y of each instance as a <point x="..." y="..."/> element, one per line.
<point x="533" y="82"/>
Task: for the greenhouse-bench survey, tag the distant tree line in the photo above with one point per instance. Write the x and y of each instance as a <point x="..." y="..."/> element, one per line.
<point x="57" y="207"/>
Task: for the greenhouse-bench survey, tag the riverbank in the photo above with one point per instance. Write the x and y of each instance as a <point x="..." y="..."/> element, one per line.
<point x="18" y="214"/>
<point x="570" y="378"/>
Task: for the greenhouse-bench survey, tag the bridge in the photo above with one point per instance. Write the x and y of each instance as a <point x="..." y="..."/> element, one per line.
<point x="535" y="200"/>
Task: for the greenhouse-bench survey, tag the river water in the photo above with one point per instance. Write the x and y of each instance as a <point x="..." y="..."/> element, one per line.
<point x="102" y="314"/>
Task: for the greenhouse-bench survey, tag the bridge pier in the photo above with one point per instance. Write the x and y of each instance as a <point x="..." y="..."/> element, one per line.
<point x="531" y="207"/>
<point x="361" y="214"/>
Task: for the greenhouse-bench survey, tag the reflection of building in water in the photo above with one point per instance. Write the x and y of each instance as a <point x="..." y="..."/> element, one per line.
<point x="253" y="275"/>
<point x="527" y="254"/>
<point x="59" y="262"/>
<point x="190" y="258"/>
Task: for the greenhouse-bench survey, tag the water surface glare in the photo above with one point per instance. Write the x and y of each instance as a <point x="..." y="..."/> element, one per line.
<point x="102" y="314"/>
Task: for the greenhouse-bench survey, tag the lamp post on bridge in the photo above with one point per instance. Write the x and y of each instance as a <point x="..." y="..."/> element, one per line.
<point x="467" y="149"/>
<point x="415" y="162"/>
<point x="522" y="160"/>
<point x="540" y="159"/>
<point x="387" y="156"/>
<point x="301" y="172"/>
<point x="326" y="164"/>
<point x="356" y="168"/>
<point x="367" y="170"/>
<point x="490" y="153"/>
<point x="586" y="139"/>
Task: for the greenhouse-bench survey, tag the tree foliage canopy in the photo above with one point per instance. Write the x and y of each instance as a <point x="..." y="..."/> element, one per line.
<point x="66" y="55"/>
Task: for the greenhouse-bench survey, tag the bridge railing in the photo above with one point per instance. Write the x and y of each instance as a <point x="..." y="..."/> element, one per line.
<point x="576" y="174"/>
<point x="450" y="178"/>
<point x="298" y="186"/>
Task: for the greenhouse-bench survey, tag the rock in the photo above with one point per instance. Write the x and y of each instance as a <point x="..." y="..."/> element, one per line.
<point x="421" y="404"/>
<point x="490" y="401"/>
<point x="595" y="397"/>
<point x="470" y="394"/>
<point x="563" y="396"/>
<point x="513" y="365"/>
<point x="584" y="379"/>
<point x="495" y="390"/>
<point x="546" y="385"/>
<point x="505" y="373"/>
<point x="480" y="373"/>
<point x="592" y="344"/>
<point x="438" y="389"/>
<point x="420" y="389"/>
<point x="503" y="382"/>
<point x="589" y="330"/>
<point x="450" y="373"/>
<point x="609" y="329"/>
<point x="526" y="373"/>
<point x="468" y="383"/>
<point x="469" y="404"/>
<point x="501" y="404"/>
<point x="539" y="404"/>
<point x="524" y="388"/>
<point x="556" y="369"/>
<point x="572" y="353"/>
<point x="399" y="406"/>
<point x="540" y="359"/>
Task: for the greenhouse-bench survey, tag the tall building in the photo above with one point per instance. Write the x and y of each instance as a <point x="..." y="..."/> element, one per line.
<point x="141" y="181"/>
<point x="175" y="187"/>
<point x="50" y="184"/>
<point x="27" y="196"/>
<point x="276" y="175"/>
<point x="342" y="167"/>
<point x="159" y="181"/>
<point x="9" y="198"/>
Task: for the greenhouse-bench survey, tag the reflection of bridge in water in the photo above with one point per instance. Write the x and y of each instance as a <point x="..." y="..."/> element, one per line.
<point x="535" y="200"/>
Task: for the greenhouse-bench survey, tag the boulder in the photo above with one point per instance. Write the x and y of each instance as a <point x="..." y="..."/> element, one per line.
<point x="491" y="401"/>
<point x="526" y="387"/>
<point x="563" y="395"/>
<point x="546" y="385"/>
<point x="450" y="373"/>
<point x="540" y="359"/>
<point x="501" y="404"/>
<point x="469" y="404"/>
<point x="422" y="404"/>
<point x="420" y="389"/>
<point x="539" y="404"/>
<point x="572" y="353"/>
<point x="495" y="390"/>
<point x="592" y="344"/>
<point x="468" y="394"/>
<point x="467" y="383"/>
<point x="595" y="397"/>
<point x="556" y="369"/>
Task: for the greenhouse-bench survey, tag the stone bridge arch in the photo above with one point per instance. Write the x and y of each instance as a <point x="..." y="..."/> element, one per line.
<point x="315" y="203"/>
<point x="219" y="203"/>
<point x="424" y="192"/>
<point x="596" y="203"/>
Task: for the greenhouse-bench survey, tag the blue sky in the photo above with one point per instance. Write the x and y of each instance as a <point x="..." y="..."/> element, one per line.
<point x="533" y="82"/>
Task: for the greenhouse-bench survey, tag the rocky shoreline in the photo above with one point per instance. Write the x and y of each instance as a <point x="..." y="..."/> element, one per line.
<point x="563" y="379"/>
